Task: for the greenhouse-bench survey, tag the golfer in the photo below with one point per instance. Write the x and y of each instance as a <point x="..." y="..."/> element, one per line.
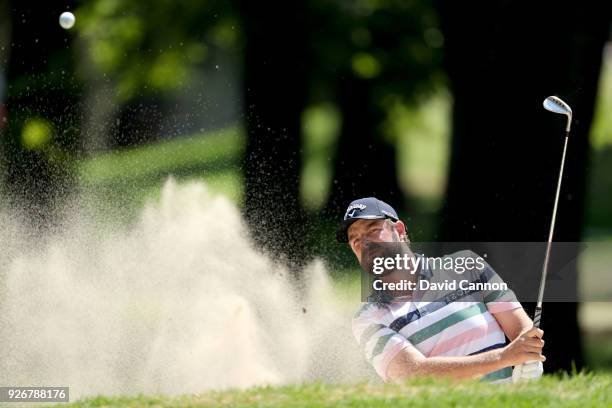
<point x="403" y="337"/>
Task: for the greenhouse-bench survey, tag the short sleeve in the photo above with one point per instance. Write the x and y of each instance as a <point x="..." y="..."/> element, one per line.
<point x="500" y="300"/>
<point x="379" y="342"/>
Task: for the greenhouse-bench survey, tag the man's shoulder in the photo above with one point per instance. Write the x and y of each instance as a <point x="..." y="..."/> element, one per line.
<point x="471" y="263"/>
<point x="369" y="309"/>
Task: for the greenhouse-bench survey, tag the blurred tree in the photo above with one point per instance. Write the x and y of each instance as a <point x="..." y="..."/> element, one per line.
<point x="375" y="55"/>
<point x="144" y="50"/>
<point x="41" y="137"/>
<point x="275" y="83"/>
<point x="503" y="59"/>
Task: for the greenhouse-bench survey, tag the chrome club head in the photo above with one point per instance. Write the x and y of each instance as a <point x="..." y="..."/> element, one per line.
<point x="556" y="105"/>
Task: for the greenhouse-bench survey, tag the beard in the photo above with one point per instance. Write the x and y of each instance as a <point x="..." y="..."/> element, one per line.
<point x="373" y="250"/>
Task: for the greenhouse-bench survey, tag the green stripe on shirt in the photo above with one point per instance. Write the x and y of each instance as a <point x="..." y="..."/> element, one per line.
<point x="491" y="297"/>
<point x="505" y="372"/>
<point x="369" y="332"/>
<point x="380" y="344"/>
<point x="446" y="322"/>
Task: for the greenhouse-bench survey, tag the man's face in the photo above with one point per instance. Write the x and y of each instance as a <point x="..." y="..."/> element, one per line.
<point x="363" y="231"/>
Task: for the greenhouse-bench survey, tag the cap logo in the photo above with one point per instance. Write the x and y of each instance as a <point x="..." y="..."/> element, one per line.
<point x="353" y="208"/>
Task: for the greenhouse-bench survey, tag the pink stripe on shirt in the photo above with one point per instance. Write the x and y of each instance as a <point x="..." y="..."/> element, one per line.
<point x="464" y="338"/>
<point x="498" y="307"/>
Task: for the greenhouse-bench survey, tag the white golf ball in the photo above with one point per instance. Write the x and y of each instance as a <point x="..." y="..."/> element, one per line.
<point x="66" y="20"/>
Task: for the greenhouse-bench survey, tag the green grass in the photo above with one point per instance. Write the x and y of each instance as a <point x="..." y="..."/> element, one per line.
<point x="118" y="183"/>
<point x="214" y="151"/>
<point x="598" y="350"/>
<point x="578" y="391"/>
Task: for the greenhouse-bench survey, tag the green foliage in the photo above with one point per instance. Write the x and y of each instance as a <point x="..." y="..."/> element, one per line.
<point x="365" y="65"/>
<point x="154" y="46"/>
<point x="148" y="46"/>
<point x="601" y="131"/>
<point x="393" y="43"/>
<point x="576" y="391"/>
<point x="36" y="133"/>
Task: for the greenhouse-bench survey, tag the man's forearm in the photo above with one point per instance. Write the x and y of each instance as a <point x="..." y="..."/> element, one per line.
<point x="454" y="367"/>
<point x="513" y="322"/>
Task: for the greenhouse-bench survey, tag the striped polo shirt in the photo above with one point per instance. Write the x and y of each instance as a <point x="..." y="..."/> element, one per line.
<point x="457" y="324"/>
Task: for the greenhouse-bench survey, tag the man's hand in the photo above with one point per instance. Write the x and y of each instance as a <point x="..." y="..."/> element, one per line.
<point x="527" y="347"/>
<point x="527" y="371"/>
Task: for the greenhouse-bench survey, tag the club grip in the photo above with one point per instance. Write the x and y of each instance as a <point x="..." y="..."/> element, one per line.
<point x="537" y="316"/>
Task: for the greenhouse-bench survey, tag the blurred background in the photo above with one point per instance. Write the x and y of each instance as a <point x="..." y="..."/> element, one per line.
<point x="294" y="109"/>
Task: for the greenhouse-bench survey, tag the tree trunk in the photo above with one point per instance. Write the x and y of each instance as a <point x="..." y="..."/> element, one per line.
<point x="503" y="59"/>
<point x="275" y="96"/>
<point x="364" y="163"/>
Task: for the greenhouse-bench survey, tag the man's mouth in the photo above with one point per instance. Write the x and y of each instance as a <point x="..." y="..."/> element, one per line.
<point x="372" y="250"/>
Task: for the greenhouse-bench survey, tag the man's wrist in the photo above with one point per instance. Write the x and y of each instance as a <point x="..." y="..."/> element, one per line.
<point x="499" y="359"/>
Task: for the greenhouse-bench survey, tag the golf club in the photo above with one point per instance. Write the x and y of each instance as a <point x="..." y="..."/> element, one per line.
<point x="556" y="105"/>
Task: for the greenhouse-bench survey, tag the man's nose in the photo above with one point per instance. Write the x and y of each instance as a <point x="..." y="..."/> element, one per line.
<point x="370" y="238"/>
<point x="366" y="243"/>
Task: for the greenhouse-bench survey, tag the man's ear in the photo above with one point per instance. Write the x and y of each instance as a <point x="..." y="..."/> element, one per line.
<point x="401" y="230"/>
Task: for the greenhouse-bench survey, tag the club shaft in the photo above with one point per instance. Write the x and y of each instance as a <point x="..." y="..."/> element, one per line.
<point x="536" y="318"/>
